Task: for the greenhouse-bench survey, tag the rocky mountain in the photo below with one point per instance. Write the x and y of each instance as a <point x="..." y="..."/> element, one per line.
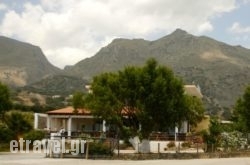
<point x="62" y="85"/>
<point x="221" y="70"/>
<point x="22" y="63"/>
<point x="33" y="80"/>
<point x="52" y="91"/>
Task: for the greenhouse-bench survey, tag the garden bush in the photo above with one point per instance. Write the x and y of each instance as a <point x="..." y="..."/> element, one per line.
<point x="99" y="149"/>
<point x="186" y="144"/>
<point x="6" y="134"/>
<point x="34" y="135"/>
<point x="171" y="144"/>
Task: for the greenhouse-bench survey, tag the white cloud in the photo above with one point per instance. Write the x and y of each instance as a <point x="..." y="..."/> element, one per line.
<point x="70" y="30"/>
<point x="239" y="29"/>
<point x="206" y="26"/>
<point x="240" y="34"/>
<point x="3" y="6"/>
<point x="58" y="56"/>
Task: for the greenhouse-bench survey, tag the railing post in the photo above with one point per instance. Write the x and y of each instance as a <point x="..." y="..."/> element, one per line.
<point x="51" y="149"/>
<point x="118" y="146"/>
<point x="87" y="151"/>
<point x="61" y="148"/>
<point x="159" y="148"/>
<point x="138" y="147"/>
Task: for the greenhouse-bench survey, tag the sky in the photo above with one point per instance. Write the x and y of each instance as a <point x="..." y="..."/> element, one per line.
<point x="71" y="30"/>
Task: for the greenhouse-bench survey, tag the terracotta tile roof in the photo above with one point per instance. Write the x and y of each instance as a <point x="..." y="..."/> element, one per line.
<point x="126" y="110"/>
<point x="69" y="111"/>
<point x="192" y="90"/>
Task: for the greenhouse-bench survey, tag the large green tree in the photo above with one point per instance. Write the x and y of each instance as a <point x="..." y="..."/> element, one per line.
<point x="18" y="122"/>
<point x="195" y="109"/>
<point x="150" y="95"/>
<point x="5" y="102"/>
<point x="213" y="136"/>
<point x="161" y="97"/>
<point x="78" y="101"/>
<point x="241" y="113"/>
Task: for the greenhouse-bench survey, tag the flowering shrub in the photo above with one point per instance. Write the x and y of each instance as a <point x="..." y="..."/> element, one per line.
<point x="232" y="140"/>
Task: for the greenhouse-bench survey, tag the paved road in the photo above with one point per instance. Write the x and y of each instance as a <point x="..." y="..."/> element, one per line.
<point x="38" y="159"/>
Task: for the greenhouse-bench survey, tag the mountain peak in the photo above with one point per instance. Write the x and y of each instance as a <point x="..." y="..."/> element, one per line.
<point x="179" y="32"/>
<point x="214" y="65"/>
<point x="22" y="63"/>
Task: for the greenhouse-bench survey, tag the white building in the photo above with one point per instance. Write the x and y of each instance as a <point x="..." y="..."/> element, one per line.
<point x="83" y="121"/>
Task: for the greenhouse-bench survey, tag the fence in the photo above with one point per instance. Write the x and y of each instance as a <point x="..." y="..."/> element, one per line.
<point x="78" y="146"/>
<point x="96" y="147"/>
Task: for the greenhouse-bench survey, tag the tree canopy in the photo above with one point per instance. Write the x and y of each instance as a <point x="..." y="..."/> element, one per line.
<point x="241" y="113"/>
<point x="150" y="95"/>
<point x="5" y="103"/>
<point x="18" y="122"/>
<point x="195" y="109"/>
<point x="78" y="100"/>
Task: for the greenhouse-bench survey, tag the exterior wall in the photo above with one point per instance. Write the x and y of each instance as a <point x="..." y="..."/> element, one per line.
<point x="57" y="123"/>
<point x="76" y="124"/>
<point x="184" y="127"/>
<point x="203" y="125"/>
<point x="152" y="146"/>
<point x="156" y="146"/>
<point x="82" y="124"/>
<point x="40" y="121"/>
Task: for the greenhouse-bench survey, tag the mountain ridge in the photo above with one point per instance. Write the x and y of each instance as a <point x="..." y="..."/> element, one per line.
<point x="219" y="68"/>
<point x="168" y="40"/>
<point x="23" y="63"/>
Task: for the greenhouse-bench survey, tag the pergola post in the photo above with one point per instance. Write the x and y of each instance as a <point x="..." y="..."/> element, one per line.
<point x="48" y="123"/>
<point x="35" y="120"/>
<point x="103" y="126"/>
<point x="69" y="126"/>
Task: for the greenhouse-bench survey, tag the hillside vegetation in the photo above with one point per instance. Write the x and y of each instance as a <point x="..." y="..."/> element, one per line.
<point x="221" y="70"/>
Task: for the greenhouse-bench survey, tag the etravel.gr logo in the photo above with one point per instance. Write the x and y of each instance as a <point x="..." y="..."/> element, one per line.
<point x="74" y="147"/>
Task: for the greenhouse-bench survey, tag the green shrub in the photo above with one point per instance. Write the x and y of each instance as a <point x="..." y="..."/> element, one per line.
<point x="99" y="149"/>
<point x="6" y="134"/>
<point x="34" y="135"/>
<point x="18" y="122"/>
<point x="125" y="145"/>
